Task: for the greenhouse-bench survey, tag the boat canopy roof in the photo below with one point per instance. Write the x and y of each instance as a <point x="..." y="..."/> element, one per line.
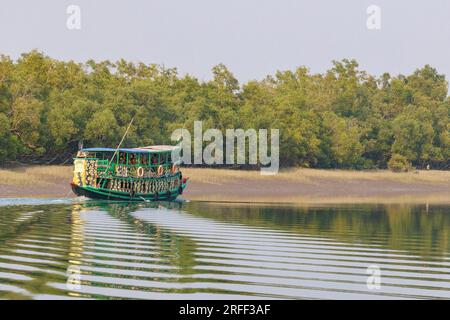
<point x="149" y="149"/>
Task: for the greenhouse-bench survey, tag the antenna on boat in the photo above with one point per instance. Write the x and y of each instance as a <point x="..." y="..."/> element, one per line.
<point x="118" y="146"/>
<point x="120" y="143"/>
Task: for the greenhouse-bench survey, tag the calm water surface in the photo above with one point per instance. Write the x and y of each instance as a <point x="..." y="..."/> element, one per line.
<point x="93" y="250"/>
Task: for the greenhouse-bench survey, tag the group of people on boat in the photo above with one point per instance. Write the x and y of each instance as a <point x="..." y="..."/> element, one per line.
<point x="144" y="159"/>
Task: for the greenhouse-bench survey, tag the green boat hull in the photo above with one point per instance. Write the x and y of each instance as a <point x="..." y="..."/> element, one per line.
<point x="107" y="194"/>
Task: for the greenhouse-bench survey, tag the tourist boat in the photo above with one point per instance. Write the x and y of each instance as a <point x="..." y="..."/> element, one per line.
<point x="137" y="174"/>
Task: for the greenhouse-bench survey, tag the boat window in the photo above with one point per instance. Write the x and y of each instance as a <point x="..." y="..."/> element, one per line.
<point x="107" y="156"/>
<point x="132" y="159"/>
<point x="154" y="159"/>
<point x="122" y="158"/>
<point x="144" y="159"/>
<point x="163" y="158"/>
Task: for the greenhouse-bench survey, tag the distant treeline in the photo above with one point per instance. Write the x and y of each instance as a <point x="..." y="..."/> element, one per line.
<point x="344" y="118"/>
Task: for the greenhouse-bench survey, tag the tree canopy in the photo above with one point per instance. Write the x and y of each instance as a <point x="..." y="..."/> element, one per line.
<point x="343" y="118"/>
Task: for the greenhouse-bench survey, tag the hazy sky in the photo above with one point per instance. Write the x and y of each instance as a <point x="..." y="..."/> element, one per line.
<point x="252" y="37"/>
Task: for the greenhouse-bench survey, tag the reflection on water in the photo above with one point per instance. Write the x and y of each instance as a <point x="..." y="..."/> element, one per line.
<point x="222" y="251"/>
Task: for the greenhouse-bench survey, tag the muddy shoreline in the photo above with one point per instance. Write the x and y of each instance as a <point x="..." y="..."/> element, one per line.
<point x="299" y="186"/>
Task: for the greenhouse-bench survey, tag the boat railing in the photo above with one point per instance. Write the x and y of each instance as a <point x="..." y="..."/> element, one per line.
<point x="137" y="170"/>
<point x="105" y="169"/>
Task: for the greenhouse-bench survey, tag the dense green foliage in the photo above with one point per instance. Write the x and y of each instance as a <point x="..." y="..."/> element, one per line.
<point x="344" y="118"/>
<point x="399" y="163"/>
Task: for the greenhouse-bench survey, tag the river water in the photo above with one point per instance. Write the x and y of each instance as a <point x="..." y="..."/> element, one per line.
<point x="72" y="249"/>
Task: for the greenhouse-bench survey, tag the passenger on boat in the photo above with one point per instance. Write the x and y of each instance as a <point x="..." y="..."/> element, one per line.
<point x="132" y="158"/>
<point x="154" y="159"/>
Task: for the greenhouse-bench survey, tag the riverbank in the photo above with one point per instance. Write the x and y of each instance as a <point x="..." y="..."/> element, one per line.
<point x="289" y="186"/>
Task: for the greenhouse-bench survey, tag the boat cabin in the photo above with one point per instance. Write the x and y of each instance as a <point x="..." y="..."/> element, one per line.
<point x="136" y="170"/>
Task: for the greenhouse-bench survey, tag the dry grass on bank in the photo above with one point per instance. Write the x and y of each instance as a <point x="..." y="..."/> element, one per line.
<point x="215" y="176"/>
<point x="39" y="175"/>
<point x="289" y="186"/>
<point x="34" y="175"/>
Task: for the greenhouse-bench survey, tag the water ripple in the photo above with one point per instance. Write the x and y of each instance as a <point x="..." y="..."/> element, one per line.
<point x="87" y="250"/>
